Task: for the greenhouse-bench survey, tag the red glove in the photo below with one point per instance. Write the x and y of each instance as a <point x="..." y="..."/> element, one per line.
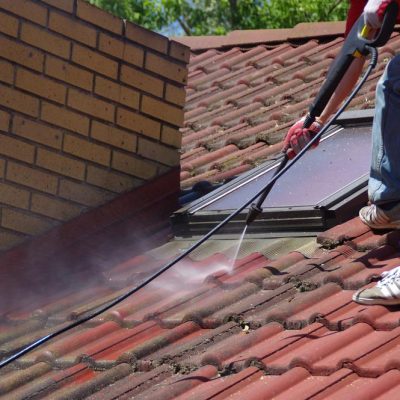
<point x="298" y="137"/>
<point x="374" y="12"/>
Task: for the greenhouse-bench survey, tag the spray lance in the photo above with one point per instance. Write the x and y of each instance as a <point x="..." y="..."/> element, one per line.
<point x="357" y="44"/>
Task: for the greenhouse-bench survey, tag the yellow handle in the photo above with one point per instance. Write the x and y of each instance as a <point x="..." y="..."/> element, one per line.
<point x="365" y="31"/>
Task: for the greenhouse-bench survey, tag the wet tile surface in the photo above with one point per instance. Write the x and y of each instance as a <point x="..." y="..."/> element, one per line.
<point x="269" y="321"/>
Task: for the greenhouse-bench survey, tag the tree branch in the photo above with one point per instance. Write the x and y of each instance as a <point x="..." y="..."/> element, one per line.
<point x="334" y="6"/>
<point x="185" y="26"/>
<point x="234" y="14"/>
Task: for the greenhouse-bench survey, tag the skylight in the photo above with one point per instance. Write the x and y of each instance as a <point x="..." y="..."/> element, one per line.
<point x="325" y="187"/>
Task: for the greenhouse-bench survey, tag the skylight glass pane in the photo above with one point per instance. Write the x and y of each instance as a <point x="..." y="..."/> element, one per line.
<point x="339" y="161"/>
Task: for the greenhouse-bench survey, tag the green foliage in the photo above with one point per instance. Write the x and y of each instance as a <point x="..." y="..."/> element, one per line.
<point x="217" y="17"/>
<point x="287" y="13"/>
<point x="147" y="13"/>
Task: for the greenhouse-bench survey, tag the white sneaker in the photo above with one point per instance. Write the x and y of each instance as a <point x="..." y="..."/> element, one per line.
<point x="376" y="218"/>
<point x="385" y="292"/>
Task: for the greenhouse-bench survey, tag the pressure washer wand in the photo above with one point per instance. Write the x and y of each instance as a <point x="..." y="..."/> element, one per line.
<point x="356" y="45"/>
<point x="255" y="209"/>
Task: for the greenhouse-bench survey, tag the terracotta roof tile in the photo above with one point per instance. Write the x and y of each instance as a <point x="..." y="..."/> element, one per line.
<point x="341" y="233"/>
<point x="291" y="317"/>
<point x="210" y="64"/>
<point x="278" y="321"/>
<point x="226" y="84"/>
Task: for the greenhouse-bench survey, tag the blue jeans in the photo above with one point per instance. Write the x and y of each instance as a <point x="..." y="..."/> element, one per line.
<point x="384" y="181"/>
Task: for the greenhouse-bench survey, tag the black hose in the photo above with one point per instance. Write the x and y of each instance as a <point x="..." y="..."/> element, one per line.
<point x="256" y="208"/>
<point x="44" y="339"/>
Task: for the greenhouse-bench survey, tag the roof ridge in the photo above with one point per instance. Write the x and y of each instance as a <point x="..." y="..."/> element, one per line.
<point x="301" y="31"/>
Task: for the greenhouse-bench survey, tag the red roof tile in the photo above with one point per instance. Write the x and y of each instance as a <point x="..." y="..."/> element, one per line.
<point x="291" y="318"/>
<point x="260" y="90"/>
<point x="277" y="322"/>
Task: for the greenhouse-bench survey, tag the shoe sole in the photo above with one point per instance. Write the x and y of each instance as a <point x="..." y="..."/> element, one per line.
<point x="379" y="302"/>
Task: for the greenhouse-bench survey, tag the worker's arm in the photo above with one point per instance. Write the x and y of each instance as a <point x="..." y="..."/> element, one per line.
<point x="298" y="137"/>
<point x="344" y="88"/>
<point x="374" y="12"/>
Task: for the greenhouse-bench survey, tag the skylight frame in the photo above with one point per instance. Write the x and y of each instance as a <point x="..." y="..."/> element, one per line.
<point x="192" y="220"/>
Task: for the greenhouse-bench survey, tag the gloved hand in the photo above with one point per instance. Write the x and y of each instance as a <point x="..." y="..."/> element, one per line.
<point x="298" y="137"/>
<point x="374" y="12"/>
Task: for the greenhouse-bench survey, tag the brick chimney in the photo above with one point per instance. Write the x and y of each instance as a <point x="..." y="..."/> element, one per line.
<point x="90" y="108"/>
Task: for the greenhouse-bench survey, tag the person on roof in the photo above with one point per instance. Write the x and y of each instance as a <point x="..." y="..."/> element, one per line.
<point x="383" y="211"/>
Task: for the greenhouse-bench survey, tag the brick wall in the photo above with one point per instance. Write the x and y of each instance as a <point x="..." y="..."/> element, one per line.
<point x="90" y="107"/>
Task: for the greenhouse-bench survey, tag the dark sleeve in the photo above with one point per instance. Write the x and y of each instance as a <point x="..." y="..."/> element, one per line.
<point x="355" y="10"/>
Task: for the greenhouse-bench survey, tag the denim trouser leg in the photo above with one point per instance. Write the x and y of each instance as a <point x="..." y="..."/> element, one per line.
<point x="384" y="181"/>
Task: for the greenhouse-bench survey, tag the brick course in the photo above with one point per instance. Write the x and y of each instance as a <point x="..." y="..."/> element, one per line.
<point x="61" y="164"/>
<point x="82" y="193"/>
<point x="44" y="40"/>
<point x="114" y="136"/>
<point x="142" y="81"/>
<point x="138" y="123"/>
<point x="87" y="150"/>
<point x="41" y="86"/>
<point x="156" y="151"/>
<point x="14" y="196"/>
<point x="4" y="120"/>
<point x="162" y="110"/>
<point x="30" y="177"/>
<point x="24" y="223"/>
<point x="168" y="69"/>
<point x="65" y="118"/>
<point x="94" y="61"/>
<point x="175" y="94"/>
<point x="112" y="181"/>
<point x="98" y="17"/>
<point x="21" y="53"/>
<point x="8" y="24"/>
<point x="9" y="239"/>
<point x="171" y="136"/>
<point x="90" y="108"/>
<point x="91" y="105"/>
<point x="68" y="73"/>
<point x="65" y="5"/>
<point x="179" y="51"/>
<point x="2" y="167"/>
<point x="146" y="38"/>
<point x="54" y="208"/>
<point x="19" y="101"/>
<point x="116" y="92"/>
<point x="26" y="9"/>
<point x="6" y="72"/>
<point x="72" y="29"/>
<point x="134" y="166"/>
<point x="37" y="132"/>
<point x="15" y="148"/>
<point x="130" y="53"/>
